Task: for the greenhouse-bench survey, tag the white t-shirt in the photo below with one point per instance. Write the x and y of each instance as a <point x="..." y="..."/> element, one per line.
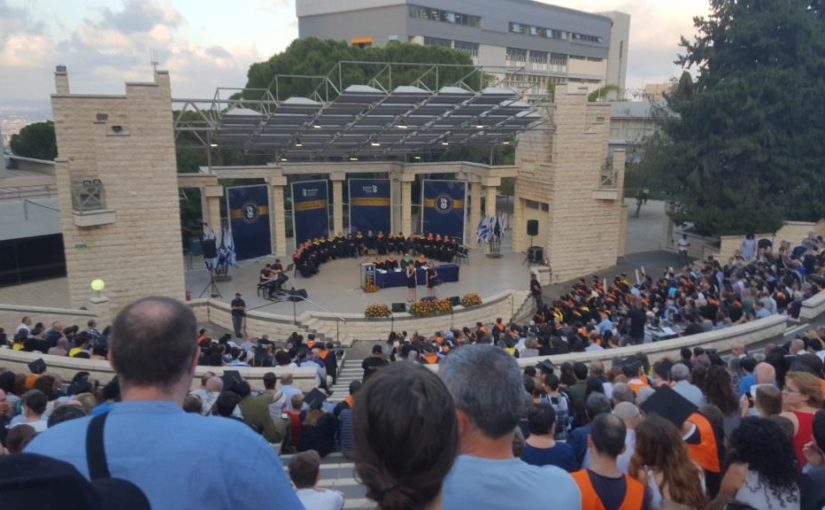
<point x="21" y="327"/>
<point x="683" y="244"/>
<point x="320" y="499"/>
<point x="38" y="426"/>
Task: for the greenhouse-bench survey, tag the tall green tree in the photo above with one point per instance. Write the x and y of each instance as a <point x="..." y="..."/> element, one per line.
<point x="743" y="147"/>
<point x="35" y="141"/>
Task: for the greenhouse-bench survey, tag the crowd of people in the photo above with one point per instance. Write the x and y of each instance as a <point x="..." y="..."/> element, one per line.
<point x="696" y="431"/>
<point x="309" y="256"/>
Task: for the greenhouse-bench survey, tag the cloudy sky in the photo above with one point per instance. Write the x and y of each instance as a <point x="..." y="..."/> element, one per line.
<point x="210" y="43"/>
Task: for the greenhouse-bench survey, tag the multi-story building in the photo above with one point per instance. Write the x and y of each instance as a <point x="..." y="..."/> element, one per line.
<point x="546" y="43"/>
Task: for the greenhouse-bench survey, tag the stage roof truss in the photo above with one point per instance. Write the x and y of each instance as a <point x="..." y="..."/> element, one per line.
<point x="395" y="112"/>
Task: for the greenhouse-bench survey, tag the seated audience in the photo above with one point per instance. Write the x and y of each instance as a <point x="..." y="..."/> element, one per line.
<point x="305" y="473"/>
<point x="540" y="447"/>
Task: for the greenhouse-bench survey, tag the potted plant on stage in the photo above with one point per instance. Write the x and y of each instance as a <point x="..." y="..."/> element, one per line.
<point x="377" y="312"/>
<point x="469" y="300"/>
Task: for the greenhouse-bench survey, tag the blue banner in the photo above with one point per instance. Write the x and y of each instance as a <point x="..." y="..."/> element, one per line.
<point x="249" y="220"/>
<point x="309" y="210"/>
<point x="369" y="205"/>
<point x="443" y="206"/>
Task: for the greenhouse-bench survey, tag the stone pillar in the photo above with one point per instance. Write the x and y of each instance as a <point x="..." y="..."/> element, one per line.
<point x="519" y="225"/>
<point x="475" y="211"/>
<point x="491" y="185"/>
<point x="214" y="194"/>
<point x="61" y="81"/>
<point x="204" y="205"/>
<point x="406" y="203"/>
<point x="337" y="203"/>
<point x="277" y="215"/>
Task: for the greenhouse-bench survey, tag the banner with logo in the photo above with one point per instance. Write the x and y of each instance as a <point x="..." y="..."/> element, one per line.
<point x="369" y="205"/>
<point x="443" y="206"/>
<point x="248" y="208"/>
<point x="310" y="214"/>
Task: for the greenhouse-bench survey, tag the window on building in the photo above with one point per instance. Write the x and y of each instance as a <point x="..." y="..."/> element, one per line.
<point x="538" y="57"/>
<point x="558" y="59"/>
<point x="516" y="55"/>
<point x="455" y="18"/>
<point x="551" y="33"/>
<point x="437" y="41"/>
<point x="467" y="47"/>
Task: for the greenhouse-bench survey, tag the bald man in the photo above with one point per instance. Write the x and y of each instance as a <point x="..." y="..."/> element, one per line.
<point x="797" y="346"/>
<point x="765" y="374"/>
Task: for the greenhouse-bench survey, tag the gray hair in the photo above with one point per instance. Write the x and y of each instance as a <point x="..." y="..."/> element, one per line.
<point x="487" y="386"/>
<point x="596" y="404"/>
<point x="679" y="372"/>
<point x="623" y="393"/>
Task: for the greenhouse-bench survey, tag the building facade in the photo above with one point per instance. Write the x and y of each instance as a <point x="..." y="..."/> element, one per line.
<point x="539" y="44"/>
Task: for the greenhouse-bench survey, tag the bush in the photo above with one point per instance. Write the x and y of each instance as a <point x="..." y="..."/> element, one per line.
<point x="377" y="311"/>
<point x="430" y="308"/>
<point x="369" y="288"/>
<point x="469" y="300"/>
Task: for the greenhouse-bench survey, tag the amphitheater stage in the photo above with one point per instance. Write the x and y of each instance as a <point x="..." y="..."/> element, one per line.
<point x="336" y="288"/>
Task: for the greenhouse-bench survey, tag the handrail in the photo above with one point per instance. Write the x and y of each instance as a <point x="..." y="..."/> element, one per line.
<point x="30" y="191"/>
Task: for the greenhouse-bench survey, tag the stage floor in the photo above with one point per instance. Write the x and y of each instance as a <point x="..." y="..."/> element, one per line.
<point x="336" y="287"/>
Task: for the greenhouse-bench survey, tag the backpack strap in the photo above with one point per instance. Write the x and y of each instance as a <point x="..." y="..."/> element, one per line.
<point x="95" y="452"/>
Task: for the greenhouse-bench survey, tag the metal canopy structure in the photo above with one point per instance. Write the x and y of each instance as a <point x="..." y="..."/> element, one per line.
<point x="376" y="120"/>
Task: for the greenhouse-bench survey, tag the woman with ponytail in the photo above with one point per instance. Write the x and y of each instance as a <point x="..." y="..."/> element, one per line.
<point x="406" y="437"/>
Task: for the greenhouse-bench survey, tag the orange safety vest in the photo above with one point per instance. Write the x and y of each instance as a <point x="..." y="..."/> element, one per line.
<point x="706" y="453"/>
<point x="635" y="385"/>
<point x="633" y="497"/>
<point x="431" y="359"/>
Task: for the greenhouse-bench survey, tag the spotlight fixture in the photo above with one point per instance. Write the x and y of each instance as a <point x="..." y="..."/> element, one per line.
<point x="505" y="142"/>
<point x="479" y="126"/>
<point x="417" y="157"/>
<point x="213" y="145"/>
<point x="353" y="158"/>
<point x="375" y="143"/>
<point x="445" y="142"/>
<point x="402" y="124"/>
<point x="298" y="142"/>
<point x="284" y="158"/>
<point x="315" y="125"/>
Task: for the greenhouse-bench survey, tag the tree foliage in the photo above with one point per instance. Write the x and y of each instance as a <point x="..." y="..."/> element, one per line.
<point x="743" y="148"/>
<point x="35" y="141"/>
<point x="316" y="57"/>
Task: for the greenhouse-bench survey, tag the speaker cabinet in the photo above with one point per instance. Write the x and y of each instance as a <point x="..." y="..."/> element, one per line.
<point x="532" y="227"/>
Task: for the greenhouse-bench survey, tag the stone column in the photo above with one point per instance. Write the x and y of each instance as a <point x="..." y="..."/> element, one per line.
<point x="519" y="225"/>
<point x="337" y="203"/>
<point x="277" y="216"/>
<point x="491" y="185"/>
<point x="406" y="203"/>
<point x="475" y="211"/>
<point x="204" y="205"/>
<point x="214" y="194"/>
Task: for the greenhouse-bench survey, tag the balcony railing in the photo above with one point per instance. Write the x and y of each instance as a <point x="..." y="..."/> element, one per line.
<point x="88" y="195"/>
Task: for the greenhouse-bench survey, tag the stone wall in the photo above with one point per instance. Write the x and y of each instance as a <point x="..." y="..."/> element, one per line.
<point x="11" y="315"/>
<point x="128" y="143"/>
<point x="17" y="361"/>
<point x="560" y="163"/>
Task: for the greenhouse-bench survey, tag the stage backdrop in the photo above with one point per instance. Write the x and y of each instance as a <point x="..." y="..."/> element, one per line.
<point x="310" y="215"/>
<point x="443" y="203"/>
<point x="369" y="205"/>
<point x="249" y="220"/>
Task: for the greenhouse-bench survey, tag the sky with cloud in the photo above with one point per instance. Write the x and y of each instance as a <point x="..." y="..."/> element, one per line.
<point x="210" y="43"/>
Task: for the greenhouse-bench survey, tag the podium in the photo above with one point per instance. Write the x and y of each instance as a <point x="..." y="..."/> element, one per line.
<point x="367" y="274"/>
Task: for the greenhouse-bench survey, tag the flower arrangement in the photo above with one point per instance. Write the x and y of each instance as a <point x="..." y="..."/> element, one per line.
<point x="469" y="300"/>
<point x="377" y="311"/>
<point x="369" y="288"/>
<point x="429" y="308"/>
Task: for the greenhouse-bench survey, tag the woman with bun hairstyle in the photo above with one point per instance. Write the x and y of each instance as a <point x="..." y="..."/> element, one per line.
<point x="406" y="437"/>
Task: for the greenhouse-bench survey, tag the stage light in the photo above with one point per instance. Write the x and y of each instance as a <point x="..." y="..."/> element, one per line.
<point x="284" y="158"/>
<point x="213" y="145"/>
<point x="298" y="142"/>
<point x="353" y="158"/>
<point x="417" y="157"/>
<point x="479" y="126"/>
<point x="375" y="143"/>
<point x="445" y="142"/>
<point x="315" y="125"/>
<point x="402" y="124"/>
<point x="98" y="285"/>
<point x="505" y="142"/>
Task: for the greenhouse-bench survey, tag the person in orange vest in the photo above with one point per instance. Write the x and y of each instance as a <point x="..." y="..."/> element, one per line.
<point x="327" y="355"/>
<point x="602" y="485"/>
<point x="703" y="442"/>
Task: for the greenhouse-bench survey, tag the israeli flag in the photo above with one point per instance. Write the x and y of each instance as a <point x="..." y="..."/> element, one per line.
<point x="484" y="231"/>
<point x="227" y="251"/>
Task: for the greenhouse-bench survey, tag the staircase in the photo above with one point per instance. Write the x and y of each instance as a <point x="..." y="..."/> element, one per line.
<point x="350" y="371"/>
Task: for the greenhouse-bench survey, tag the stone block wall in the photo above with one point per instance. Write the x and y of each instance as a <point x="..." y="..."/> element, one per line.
<point x="560" y="164"/>
<point x="128" y="143"/>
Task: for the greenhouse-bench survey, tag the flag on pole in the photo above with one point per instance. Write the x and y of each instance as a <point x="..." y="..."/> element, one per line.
<point x="497" y="230"/>
<point x="483" y="231"/>
<point x="227" y="251"/>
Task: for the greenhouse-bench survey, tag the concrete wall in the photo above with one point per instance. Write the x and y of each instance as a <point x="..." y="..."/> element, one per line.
<point x="792" y="231"/>
<point x="11" y="315"/>
<point x="140" y="252"/>
<point x="29" y="218"/>
<point x="562" y="166"/>
<point x="66" y="368"/>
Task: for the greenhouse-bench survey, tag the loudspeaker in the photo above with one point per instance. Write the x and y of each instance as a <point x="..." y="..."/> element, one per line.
<point x="399" y="307"/>
<point x="536" y="254"/>
<point x="532" y="227"/>
<point x="455" y="300"/>
<point x="297" y="295"/>
<point x="210" y="249"/>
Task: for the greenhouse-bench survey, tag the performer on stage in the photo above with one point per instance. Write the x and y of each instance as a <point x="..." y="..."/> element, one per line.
<point x="411" y="283"/>
<point x="432" y="279"/>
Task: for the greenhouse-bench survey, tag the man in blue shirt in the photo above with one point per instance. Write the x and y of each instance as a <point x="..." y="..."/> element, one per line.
<point x="178" y="460"/>
<point x="489" y="395"/>
<point x="747" y="366"/>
